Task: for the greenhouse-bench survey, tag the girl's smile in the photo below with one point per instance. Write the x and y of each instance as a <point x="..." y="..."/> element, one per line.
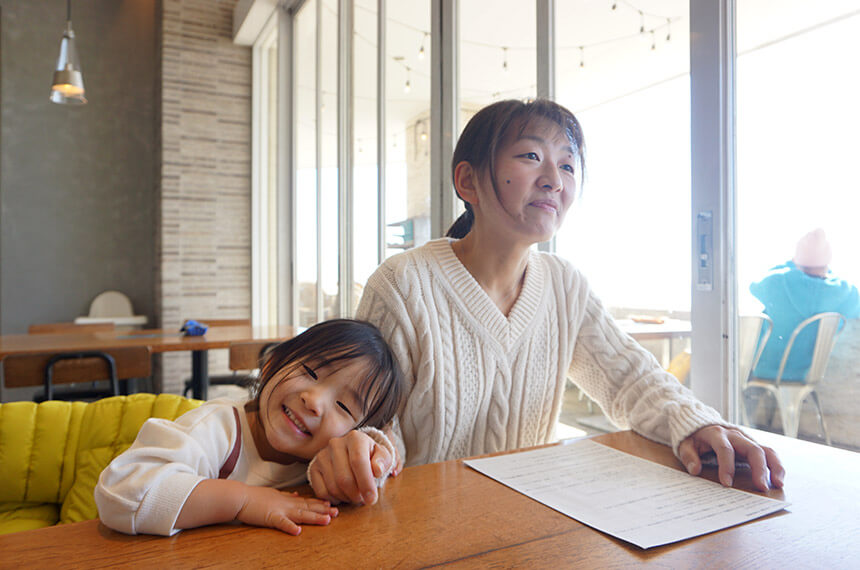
<point x="302" y="410"/>
<point x="298" y="423"/>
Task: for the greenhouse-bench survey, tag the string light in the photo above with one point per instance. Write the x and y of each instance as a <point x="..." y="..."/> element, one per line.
<point x="421" y="49"/>
<point x="615" y="5"/>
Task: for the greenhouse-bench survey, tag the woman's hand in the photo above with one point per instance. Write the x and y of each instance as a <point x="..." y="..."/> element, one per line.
<point x="271" y="508"/>
<point x="345" y="470"/>
<point x="727" y="443"/>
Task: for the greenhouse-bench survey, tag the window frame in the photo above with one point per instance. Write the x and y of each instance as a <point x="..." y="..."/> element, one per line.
<point x="712" y="60"/>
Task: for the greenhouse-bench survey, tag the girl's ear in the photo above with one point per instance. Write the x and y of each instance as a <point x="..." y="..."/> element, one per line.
<point x="466" y="182"/>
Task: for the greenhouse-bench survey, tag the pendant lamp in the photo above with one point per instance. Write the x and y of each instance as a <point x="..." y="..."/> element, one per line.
<point x="68" y="87"/>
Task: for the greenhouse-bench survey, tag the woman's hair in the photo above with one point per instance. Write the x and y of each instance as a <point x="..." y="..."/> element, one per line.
<point x="342" y="340"/>
<point x="487" y="131"/>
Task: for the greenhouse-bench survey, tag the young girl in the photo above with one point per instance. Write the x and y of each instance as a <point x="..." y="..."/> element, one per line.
<point x="224" y="461"/>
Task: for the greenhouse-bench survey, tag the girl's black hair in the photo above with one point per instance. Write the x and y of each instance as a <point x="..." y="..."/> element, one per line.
<point x="486" y="131"/>
<point x="341" y="340"/>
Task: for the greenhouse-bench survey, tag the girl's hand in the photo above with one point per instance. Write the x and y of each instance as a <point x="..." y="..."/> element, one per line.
<point x="345" y="470"/>
<point x="271" y="508"/>
<point x="727" y="443"/>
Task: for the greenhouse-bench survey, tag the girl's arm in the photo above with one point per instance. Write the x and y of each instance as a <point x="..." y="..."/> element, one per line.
<point x="220" y="500"/>
<point x="143" y="489"/>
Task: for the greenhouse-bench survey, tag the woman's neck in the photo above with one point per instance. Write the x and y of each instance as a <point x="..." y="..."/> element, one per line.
<point x="498" y="269"/>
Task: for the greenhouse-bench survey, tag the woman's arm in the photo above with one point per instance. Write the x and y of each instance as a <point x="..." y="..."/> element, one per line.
<point x="635" y="391"/>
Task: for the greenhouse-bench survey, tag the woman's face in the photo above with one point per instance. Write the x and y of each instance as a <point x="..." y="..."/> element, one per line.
<point x="536" y="182"/>
<point x="301" y="411"/>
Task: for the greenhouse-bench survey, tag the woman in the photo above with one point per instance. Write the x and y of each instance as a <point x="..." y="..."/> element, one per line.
<point x="486" y="329"/>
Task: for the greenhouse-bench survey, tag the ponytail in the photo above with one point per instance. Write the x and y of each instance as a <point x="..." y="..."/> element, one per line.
<point x="462" y="225"/>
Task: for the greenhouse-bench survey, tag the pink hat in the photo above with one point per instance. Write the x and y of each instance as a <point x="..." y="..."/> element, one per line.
<point x="813" y="250"/>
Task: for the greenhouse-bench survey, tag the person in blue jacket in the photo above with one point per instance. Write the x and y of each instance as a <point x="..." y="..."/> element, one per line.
<point x="795" y="291"/>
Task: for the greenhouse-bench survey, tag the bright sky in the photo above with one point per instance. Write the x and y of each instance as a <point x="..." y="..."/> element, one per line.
<point x="797" y="125"/>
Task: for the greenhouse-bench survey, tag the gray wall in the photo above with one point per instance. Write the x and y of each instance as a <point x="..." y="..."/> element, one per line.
<point x="78" y="189"/>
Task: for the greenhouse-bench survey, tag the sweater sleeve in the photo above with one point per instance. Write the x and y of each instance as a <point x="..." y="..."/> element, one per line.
<point x="628" y="383"/>
<point x="143" y="489"/>
<point x="382" y="305"/>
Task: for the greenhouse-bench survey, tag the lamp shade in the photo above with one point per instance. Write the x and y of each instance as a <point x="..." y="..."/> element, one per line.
<point x="68" y="86"/>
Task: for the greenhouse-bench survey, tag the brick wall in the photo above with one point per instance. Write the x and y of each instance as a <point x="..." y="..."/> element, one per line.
<point x="204" y="226"/>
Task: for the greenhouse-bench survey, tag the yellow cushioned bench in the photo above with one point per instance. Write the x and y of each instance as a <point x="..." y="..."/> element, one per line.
<point x="51" y="454"/>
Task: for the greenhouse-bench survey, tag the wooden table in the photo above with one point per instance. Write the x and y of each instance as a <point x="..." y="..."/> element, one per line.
<point x="667" y="331"/>
<point x="447" y="514"/>
<point x="158" y="340"/>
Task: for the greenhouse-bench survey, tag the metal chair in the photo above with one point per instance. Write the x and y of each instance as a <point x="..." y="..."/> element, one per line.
<point x="790" y="395"/>
<point x="753" y="333"/>
<point x="50" y="368"/>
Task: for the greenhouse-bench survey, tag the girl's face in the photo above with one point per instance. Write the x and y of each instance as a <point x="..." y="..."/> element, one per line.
<point x="301" y="411"/>
<point x="536" y="182"/>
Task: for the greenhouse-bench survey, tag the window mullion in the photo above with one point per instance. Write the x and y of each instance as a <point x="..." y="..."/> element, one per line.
<point x="712" y="78"/>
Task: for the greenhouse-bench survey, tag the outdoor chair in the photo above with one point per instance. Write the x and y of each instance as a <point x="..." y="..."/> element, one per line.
<point x="790" y="394"/>
<point x="753" y="333"/>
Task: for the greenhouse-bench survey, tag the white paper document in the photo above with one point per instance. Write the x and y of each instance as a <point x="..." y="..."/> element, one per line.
<point x="630" y="498"/>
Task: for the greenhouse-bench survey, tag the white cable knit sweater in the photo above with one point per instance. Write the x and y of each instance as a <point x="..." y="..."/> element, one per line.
<point x="478" y="382"/>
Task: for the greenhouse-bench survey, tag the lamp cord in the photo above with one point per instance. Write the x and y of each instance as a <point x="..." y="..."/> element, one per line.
<point x="68" y="10"/>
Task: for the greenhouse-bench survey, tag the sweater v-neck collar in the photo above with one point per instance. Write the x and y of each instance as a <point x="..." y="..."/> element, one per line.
<point x="476" y="301"/>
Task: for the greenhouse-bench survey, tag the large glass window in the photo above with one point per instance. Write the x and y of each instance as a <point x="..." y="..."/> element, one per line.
<point x="366" y="160"/>
<point x="797" y="119"/>
<point x="328" y="159"/>
<point x="265" y="179"/>
<point x="497" y="55"/>
<point x="407" y="125"/>
<point x="305" y="96"/>
<point x="625" y="75"/>
<point x="624" y="69"/>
